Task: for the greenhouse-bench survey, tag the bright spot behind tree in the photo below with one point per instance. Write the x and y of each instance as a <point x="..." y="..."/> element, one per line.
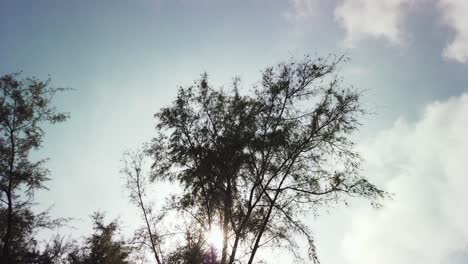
<point x="214" y="238"/>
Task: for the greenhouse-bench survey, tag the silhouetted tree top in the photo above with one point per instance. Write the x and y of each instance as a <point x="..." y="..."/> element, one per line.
<point x="101" y="247"/>
<point x="25" y="105"/>
<point x="255" y="163"/>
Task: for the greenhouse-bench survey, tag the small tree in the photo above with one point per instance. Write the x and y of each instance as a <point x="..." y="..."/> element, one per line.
<point x="193" y="250"/>
<point x="137" y="186"/>
<point x="24" y="106"/>
<point x="53" y="252"/>
<point x="181" y="247"/>
<point x="102" y="247"/>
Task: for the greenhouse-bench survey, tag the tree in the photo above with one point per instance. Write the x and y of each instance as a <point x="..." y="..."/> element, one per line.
<point x="188" y="247"/>
<point x="137" y="186"/>
<point x="254" y="164"/>
<point x="101" y="247"/>
<point x="53" y="252"/>
<point x="25" y="105"/>
<point x="194" y="250"/>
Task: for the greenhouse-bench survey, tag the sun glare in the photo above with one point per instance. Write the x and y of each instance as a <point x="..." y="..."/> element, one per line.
<point x="215" y="238"/>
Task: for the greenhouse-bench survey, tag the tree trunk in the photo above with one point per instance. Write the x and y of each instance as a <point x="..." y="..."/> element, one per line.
<point x="226" y="219"/>
<point x="260" y="234"/>
<point x="9" y="227"/>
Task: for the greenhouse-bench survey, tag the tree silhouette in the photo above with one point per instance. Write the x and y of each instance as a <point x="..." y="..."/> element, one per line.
<point x="137" y="186"/>
<point x="255" y="163"/>
<point x="102" y="247"/>
<point x="24" y="106"/>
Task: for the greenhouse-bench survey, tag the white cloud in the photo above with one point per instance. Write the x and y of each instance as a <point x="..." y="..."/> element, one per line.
<point x="425" y="164"/>
<point x="384" y="19"/>
<point x="454" y="14"/>
<point x="302" y="10"/>
<point x="370" y="18"/>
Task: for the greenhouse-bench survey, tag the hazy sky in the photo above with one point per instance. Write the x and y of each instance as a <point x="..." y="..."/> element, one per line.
<point x="126" y="58"/>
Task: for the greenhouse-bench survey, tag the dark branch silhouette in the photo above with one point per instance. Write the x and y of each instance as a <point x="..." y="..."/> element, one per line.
<point x="253" y="163"/>
<point x="25" y="105"/>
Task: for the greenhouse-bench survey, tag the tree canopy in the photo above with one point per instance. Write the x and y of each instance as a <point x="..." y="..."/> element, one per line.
<point x="101" y="247"/>
<point x="254" y="163"/>
<point x="25" y="105"/>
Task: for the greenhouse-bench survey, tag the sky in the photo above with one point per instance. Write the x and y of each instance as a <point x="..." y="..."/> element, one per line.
<point x="125" y="59"/>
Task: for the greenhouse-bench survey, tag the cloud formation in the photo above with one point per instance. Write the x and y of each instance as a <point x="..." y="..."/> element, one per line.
<point x="384" y="19"/>
<point x="425" y="164"/>
<point x="301" y="10"/>
<point x="454" y="15"/>
<point x="370" y="18"/>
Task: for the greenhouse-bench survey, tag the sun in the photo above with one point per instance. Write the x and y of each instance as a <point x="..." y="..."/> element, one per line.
<point x="215" y="238"/>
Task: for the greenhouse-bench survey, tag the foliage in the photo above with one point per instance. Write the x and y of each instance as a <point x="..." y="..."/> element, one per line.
<point x="101" y="247"/>
<point x="137" y="185"/>
<point x="25" y="105"/>
<point x="255" y="163"/>
<point x="194" y="250"/>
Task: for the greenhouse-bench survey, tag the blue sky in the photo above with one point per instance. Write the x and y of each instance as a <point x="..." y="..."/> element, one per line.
<point x="125" y="60"/>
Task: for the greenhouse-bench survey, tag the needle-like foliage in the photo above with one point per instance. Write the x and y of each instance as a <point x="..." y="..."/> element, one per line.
<point x="255" y="163"/>
<point x="25" y="105"/>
